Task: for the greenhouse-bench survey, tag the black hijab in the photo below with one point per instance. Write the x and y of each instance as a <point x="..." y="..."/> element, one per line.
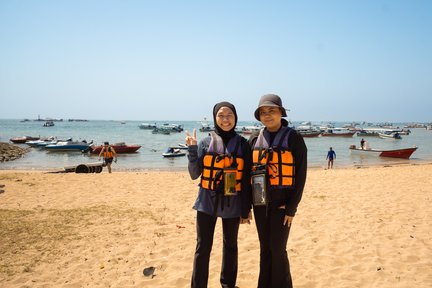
<point x="225" y="135"/>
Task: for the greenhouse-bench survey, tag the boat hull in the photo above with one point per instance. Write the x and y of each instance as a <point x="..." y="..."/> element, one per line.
<point x="72" y="147"/>
<point x="172" y="155"/>
<point x="404" y="153"/>
<point x="120" y="149"/>
<point x="349" y="134"/>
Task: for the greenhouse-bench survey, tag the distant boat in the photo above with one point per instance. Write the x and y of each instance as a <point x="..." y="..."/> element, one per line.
<point x="180" y="146"/>
<point x="367" y="133"/>
<point x="310" y="134"/>
<point x="20" y="140"/>
<point x="48" y="124"/>
<point x="161" y="130"/>
<point x="118" y="147"/>
<point x="394" y="153"/>
<point x="206" y="127"/>
<point x="390" y="135"/>
<point x="147" y="126"/>
<point x="172" y="127"/>
<point x="171" y="152"/>
<point x="248" y="130"/>
<point x="337" y="132"/>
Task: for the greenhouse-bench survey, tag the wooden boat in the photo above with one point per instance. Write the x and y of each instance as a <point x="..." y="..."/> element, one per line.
<point x="118" y="147"/>
<point x="171" y="152"/>
<point x="394" y="153"/>
<point x="20" y="140"/>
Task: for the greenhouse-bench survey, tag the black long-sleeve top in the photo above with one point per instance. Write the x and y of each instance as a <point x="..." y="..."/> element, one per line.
<point x="290" y="197"/>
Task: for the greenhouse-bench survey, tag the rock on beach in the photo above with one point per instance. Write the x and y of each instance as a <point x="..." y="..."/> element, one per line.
<point x="9" y="152"/>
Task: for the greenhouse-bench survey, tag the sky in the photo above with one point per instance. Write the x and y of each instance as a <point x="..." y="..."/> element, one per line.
<point x="174" y="60"/>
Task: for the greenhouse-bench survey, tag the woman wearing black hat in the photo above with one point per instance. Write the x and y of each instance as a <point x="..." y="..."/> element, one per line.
<point x="278" y="177"/>
<point x="223" y="162"/>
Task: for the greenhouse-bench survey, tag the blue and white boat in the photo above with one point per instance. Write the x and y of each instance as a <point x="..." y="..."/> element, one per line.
<point x="69" y="146"/>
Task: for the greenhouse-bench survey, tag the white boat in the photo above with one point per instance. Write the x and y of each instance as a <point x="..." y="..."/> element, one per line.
<point x="171" y="152"/>
<point x="248" y="130"/>
<point x="147" y="126"/>
<point x="172" y="127"/>
<point x="390" y="135"/>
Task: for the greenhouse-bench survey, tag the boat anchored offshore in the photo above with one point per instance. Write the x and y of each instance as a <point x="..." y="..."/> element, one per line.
<point x="404" y="153"/>
<point x="119" y="148"/>
<point x="172" y="152"/>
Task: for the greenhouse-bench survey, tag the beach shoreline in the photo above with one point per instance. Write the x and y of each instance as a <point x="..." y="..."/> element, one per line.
<point x="354" y="228"/>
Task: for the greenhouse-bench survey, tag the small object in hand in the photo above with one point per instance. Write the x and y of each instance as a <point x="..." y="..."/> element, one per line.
<point x="115" y="160"/>
<point x="149" y="271"/>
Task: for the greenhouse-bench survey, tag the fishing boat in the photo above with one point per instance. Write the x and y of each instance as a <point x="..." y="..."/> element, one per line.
<point x="394" y="153"/>
<point x="171" y="152"/>
<point x="119" y="148"/>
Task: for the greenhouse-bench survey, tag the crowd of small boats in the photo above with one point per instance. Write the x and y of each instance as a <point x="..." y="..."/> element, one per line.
<point x="306" y="129"/>
<point x="64" y="145"/>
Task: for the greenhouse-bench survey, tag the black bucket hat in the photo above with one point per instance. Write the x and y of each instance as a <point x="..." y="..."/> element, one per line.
<point x="271" y="100"/>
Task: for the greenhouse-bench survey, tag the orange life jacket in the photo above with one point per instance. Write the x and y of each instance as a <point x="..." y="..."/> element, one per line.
<point x="219" y="158"/>
<point x="108" y="152"/>
<point x="278" y="159"/>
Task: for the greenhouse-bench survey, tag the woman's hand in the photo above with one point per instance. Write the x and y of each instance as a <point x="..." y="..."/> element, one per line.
<point x="191" y="140"/>
<point x="288" y="220"/>
<point x="246" y="220"/>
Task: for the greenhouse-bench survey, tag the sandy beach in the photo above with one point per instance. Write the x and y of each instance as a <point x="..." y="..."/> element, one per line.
<point x="355" y="227"/>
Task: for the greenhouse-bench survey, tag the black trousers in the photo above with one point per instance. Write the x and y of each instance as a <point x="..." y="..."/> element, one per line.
<point x="205" y="226"/>
<point x="273" y="237"/>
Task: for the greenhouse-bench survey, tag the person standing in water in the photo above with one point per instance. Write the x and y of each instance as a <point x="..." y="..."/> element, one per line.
<point x="331" y="155"/>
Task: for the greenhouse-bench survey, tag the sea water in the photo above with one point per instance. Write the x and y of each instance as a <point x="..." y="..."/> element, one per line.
<point x="153" y="145"/>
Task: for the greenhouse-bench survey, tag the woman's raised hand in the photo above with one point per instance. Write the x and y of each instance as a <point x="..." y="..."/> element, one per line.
<point x="191" y="140"/>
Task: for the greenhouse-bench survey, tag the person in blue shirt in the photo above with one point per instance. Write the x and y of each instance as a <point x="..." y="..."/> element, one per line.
<point x="331" y="155"/>
<point x="223" y="163"/>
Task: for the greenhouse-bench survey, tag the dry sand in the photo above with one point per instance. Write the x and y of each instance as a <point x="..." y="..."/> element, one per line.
<point x="368" y="227"/>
